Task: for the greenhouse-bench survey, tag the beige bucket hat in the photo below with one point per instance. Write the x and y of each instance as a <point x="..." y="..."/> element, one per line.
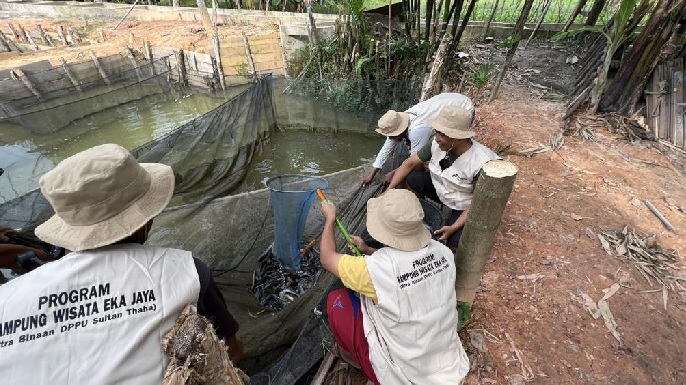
<point x="396" y="219"/>
<point x="393" y="123"/>
<point x="454" y="122"/>
<point x="101" y="196"/>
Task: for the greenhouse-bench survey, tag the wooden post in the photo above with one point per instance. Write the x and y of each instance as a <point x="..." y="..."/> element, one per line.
<point x="70" y="75"/>
<point x="102" y="36"/>
<point x="4" y="42"/>
<point x="132" y="59"/>
<point x="677" y="133"/>
<point x="60" y="33"/>
<point x="75" y="38"/>
<point x="248" y="54"/>
<point x="33" y="44"/>
<point x="14" y="32"/>
<point x="491" y="194"/>
<point x="218" y="61"/>
<point x="22" y="33"/>
<point x="44" y="36"/>
<point x="127" y="14"/>
<point x="434" y="77"/>
<point x="169" y="69"/>
<point x="100" y="69"/>
<point x="181" y="66"/>
<point x="148" y="55"/>
<point x="131" y="39"/>
<point x="18" y="74"/>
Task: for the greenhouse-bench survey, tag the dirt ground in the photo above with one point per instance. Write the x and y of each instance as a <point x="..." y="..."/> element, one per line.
<point x="529" y="323"/>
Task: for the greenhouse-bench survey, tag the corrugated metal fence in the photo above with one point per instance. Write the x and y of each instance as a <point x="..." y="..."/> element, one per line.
<point x="665" y="102"/>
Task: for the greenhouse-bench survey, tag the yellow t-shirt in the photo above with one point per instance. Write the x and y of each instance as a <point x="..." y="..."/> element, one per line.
<point x="354" y="275"/>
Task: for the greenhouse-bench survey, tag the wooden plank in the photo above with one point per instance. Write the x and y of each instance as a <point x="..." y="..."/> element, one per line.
<point x="264" y="57"/>
<point x="677" y="99"/>
<point x="680" y="126"/>
<point x="67" y="70"/>
<point x="665" y="104"/>
<point x="651" y="99"/>
<point x="181" y="66"/>
<point x="218" y="56"/>
<point x="234" y="61"/>
<point x="248" y="55"/>
<point x="100" y="69"/>
<point x="18" y="74"/>
<point x="62" y="36"/>
<point x="134" y="64"/>
<point x="265" y="48"/>
<point x="270" y="65"/>
<point x="263" y="37"/>
<point x="231" y="50"/>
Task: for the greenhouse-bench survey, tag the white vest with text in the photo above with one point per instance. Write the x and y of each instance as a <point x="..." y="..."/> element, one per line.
<point x="455" y="185"/>
<point x="412" y="331"/>
<point x="95" y="317"/>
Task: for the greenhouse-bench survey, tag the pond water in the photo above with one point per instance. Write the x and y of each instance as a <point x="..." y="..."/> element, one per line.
<point x="25" y="156"/>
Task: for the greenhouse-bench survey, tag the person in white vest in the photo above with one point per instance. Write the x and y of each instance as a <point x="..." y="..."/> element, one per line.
<point x="412" y="127"/>
<point x="402" y="329"/>
<point x="98" y="314"/>
<point x="454" y="163"/>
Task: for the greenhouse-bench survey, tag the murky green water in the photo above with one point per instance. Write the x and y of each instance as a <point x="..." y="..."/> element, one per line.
<point x="25" y="156"/>
<point x="310" y="153"/>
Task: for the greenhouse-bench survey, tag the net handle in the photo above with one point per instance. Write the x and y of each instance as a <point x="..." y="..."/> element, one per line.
<point x="341" y="227"/>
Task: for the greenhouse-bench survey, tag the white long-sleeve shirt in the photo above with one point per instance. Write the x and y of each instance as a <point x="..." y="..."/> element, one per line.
<point x="419" y="130"/>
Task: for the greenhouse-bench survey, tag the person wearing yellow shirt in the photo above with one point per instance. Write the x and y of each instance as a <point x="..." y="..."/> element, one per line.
<point x="401" y="329"/>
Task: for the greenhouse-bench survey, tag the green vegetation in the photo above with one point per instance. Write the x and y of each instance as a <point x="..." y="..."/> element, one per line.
<point x="508" y="10"/>
<point x="361" y="83"/>
<point x="483" y="75"/>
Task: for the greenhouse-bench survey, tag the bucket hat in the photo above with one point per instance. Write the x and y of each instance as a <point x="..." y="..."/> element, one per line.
<point x="396" y="219"/>
<point x="454" y="122"/>
<point x="101" y="196"/>
<point x="393" y="123"/>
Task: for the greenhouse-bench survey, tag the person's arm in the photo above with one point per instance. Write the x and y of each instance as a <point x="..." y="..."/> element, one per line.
<point x="404" y="170"/>
<point x="419" y="137"/>
<point x="380" y="160"/>
<point x="361" y="245"/>
<point x="447" y="231"/>
<point x="328" y="255"/>
<point x="212" y="306"/>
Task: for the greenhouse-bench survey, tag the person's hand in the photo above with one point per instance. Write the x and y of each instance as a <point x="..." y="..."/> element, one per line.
<point x="359" y="242"/>
<point x="389" y="177"/>
<point x="329" y="211"/>
<point x="368" y="179"/>
<point x="445" y="232"/>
